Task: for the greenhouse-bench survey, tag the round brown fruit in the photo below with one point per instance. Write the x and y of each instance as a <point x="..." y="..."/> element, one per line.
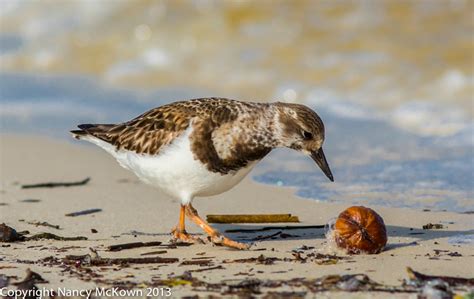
<point x="360" y="230"/>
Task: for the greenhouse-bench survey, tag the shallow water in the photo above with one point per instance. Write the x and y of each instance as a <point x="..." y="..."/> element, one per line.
<point x="393" y="81"/>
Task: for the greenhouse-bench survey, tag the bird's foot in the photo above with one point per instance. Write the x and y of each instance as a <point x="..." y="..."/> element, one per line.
<point x="184" y="237"/>
<point x="221" y="240"/>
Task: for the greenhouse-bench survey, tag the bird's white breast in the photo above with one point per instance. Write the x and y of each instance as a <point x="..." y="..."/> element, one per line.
<point x="175" y="170"/>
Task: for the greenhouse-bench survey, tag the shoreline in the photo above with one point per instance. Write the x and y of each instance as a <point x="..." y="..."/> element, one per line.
<point x="134" y="212"/>
<point x="251" y="176"/>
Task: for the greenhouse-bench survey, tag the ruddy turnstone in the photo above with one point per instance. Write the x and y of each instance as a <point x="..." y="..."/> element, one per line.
<point x="204" y="147"/>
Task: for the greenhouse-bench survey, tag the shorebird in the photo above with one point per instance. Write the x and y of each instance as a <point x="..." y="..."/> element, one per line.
<point x="204" y="147"/>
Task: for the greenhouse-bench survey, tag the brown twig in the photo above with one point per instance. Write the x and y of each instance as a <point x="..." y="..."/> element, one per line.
<point x="44" y="223"/>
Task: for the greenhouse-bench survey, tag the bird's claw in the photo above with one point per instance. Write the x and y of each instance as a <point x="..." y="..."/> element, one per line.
<point x="221" y="240"/>
<point x="183" y="236"/>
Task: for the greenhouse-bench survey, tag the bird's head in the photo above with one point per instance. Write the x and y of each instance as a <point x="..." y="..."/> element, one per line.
<point x="301" y="129"/>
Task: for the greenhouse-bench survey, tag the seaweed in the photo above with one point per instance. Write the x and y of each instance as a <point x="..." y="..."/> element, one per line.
<point x="84" y="212"/>
<point x="267" y="228"/>
<point x="120" y="247"/>
<point x="56" y="184"/>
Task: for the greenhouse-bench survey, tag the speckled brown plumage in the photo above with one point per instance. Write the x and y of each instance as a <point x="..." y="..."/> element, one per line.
<point x="226" y="135"/>
<point x="213" y="119"/>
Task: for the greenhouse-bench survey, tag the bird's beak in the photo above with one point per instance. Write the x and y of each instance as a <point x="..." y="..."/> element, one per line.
<point x="320" y="159"/>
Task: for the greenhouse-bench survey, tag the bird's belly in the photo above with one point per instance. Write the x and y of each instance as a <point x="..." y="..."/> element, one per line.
<point x="177" y="173"/>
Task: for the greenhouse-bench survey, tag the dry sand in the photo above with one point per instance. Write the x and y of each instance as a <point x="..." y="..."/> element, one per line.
<point x="132" y="212"/>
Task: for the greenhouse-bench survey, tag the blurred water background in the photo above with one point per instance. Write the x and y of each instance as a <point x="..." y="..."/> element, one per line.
<point x="393" y="81"/>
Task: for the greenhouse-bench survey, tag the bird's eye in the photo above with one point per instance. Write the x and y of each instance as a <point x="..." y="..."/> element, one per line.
<point x="307" y="135"/>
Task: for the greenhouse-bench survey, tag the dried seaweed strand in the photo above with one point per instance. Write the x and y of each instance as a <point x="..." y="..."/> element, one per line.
<point x="56" y="184"/>
<point x="267" y="228"/>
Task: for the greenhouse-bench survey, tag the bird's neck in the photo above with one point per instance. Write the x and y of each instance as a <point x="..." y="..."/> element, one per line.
<point x="266" y="127"/>
<point x="275" y="125"/>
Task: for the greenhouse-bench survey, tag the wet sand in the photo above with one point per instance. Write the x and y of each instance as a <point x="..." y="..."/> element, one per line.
<point x="134" y="212"/>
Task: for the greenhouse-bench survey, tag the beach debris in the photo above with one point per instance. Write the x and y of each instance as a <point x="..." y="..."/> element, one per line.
<point x="247" y="286"/>
<point x="84" y="212"/>
<point x="43" y="223"/>
<point x="433" y="226"/>
<point x="138" y="233"/>
<point x="359" y="230"/>
<point x="454" y="254"/>
<point x="261" y="259"/>
<point x="4" y="281"/>
<point x="207" y="269"/>
<point x="94" y="231"/>
<point x="436" y="289"/>
<point x="324" y="259"/>
<point x="180" y="280"/>
<point x="154" y="252"/>
<point x="202" y="257"/>
<point x="267" y="228"/>
<point x="252" y="218"/>
<point x="260" y="238"/>
<point x="94" y="259"/>
<point x="197" y="262"/>
<point x="51" y="236"/>
<point x="352" y="283"/>
<point x="175" y="245"/>
<point x="56" y="184"/>
<point x="9" y="234"/>
<point x="420" y="278"/>
<point x="122" y="261"/>
<point x="285" y="236"/>
<point x="303" y="248"/>
<point x="318" y="258"/>
<point x="79" y="266"/>
<point x="30" y="200"/>
<point x="287" y="294"/>
<point x="28" y="284"/>
<point x="120" y="247"/>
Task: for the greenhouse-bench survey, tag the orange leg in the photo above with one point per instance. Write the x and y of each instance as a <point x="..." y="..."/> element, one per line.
<point x="216" y="237"/>
<point x="179" y="232"/>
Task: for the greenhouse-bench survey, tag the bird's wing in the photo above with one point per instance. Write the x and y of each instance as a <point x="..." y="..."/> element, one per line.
<point x="145" y="134"/>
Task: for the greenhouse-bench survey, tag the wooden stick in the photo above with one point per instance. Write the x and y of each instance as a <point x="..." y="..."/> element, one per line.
<point x="252" y="218"/>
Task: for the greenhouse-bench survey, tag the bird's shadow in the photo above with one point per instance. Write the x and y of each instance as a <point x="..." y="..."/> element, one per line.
<point x="281" y="234"/>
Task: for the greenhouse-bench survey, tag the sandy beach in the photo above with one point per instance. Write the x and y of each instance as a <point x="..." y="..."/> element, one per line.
<point x="134" y="212"/>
